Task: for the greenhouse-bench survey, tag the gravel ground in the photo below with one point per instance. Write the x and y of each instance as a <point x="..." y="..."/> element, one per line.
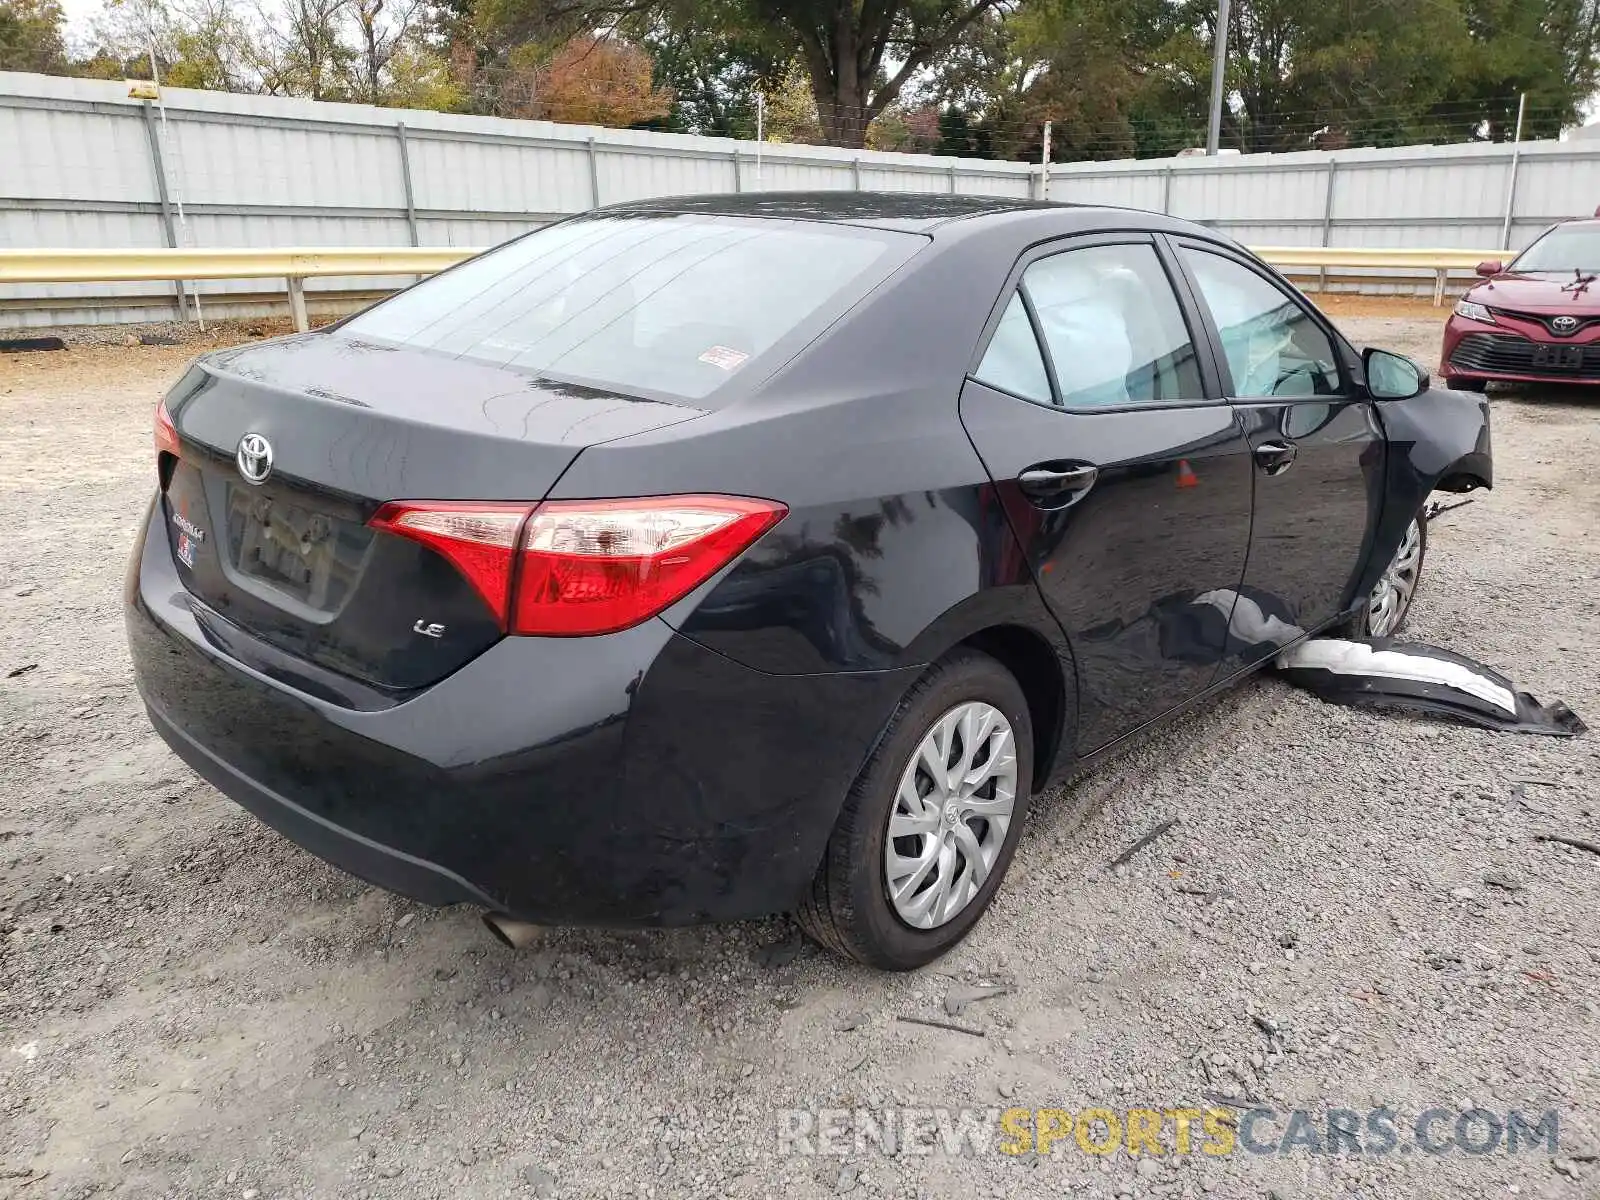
<point x="228" y="332"/>
<point x="192" y="1006"/>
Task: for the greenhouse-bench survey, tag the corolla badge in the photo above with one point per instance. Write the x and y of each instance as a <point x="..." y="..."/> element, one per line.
<point x="254" y="458"/>
<point x="181" y="520"/>
<point x="1564" y="324"/>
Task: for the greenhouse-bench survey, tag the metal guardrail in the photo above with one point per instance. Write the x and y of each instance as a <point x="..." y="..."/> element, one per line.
<point x="1380" y="257"/>
<point x="120" y="266"/>
<point x="1440" y="262"/>
<point x="296" y="265"/>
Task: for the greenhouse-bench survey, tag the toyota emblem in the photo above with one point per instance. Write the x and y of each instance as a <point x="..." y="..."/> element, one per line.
<point x="1564" y="324"/>
<point x="254" y="458"/>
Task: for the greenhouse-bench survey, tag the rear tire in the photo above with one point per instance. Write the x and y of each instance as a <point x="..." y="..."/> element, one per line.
<point x="1466" y="385"/>
<point x="849" y="908"/>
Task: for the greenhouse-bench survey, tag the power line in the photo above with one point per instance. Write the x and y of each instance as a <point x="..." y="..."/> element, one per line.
<point x="1120" y="132"/>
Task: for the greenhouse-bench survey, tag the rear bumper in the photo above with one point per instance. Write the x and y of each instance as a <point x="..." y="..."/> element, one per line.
<point x="362" y="857"/>
<point x="633" y="779"/>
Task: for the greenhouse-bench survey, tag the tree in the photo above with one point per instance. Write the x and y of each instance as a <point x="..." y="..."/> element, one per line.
<point x="1547" y="49"/>
<point x="1369" y="68"/>
<point x="858" y="55"/>
<point x="1386" y="72"/>
<point x="30" y="36"/>
<point x="791" y="114"/>
<point x="589" y="80"/>
<point x="1086" y="67"/>
<point x="383" y="28"/>
<point x="712" y="63"/>
<point x="208" y="44"/>
<point x="307" y="54"/>
<point x="365" y="50"/>
<point x="974" y="77"/>
<point x="963" y="135"/>
<point x="847" y="47"/>
<point x="417" y="77"/>
<point x="214" y="49"/>
<point x="906" y="129"/>
<point x="979" y="90"/>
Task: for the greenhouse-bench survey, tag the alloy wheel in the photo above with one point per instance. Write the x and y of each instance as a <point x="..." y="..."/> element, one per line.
<point x="950" y="815"/>
<point x="1392" y="595"/>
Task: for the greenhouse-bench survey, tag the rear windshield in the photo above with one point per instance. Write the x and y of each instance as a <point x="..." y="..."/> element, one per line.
<point x="645" y="303"/>
<point x="1576" y="249"/>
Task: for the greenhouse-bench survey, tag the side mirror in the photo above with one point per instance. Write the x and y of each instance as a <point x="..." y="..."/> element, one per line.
<point x="1392" y="376"/>
<point x="1489" y="268"/>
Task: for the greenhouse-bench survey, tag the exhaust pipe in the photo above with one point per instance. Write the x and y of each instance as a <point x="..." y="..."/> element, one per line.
<point x="511" y="932"/>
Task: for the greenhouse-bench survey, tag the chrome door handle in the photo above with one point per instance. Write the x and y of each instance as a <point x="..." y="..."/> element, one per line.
<point x="1056" y="485"/>
<point x="1274" y="458"/>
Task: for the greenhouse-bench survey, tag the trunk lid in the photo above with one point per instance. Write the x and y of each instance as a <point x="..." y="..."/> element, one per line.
<point x="349" y="425"/>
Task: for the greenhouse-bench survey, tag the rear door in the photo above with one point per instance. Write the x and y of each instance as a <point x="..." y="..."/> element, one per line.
<point x="1317" y="446"/>
<point x="1126" y="481"/>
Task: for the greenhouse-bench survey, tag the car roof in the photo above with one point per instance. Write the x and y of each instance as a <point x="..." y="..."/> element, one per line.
<point x="914" y="212"/>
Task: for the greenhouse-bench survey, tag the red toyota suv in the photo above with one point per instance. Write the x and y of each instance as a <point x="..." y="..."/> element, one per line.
<point x="1537" y="320"/>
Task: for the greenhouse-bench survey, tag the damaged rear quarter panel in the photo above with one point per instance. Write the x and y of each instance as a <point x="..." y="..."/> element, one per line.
<point x="1438" y="441"/>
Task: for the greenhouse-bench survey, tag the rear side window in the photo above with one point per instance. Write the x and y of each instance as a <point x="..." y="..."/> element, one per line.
<point x="648" y="303"/>
<point x="1111" y="325"/>
<point x="1013" y="362"/>
<point x="1113" y="328"/>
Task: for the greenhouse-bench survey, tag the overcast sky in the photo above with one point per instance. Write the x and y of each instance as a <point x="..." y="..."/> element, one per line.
<point x="79" y="13"/>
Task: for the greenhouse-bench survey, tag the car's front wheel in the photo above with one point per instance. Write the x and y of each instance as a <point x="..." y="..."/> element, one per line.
<point x="1390" y="602"/>
<point x="930" y="826"/>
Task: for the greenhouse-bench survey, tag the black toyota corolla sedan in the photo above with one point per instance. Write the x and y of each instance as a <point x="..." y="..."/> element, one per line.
<point x="709" y="558"/>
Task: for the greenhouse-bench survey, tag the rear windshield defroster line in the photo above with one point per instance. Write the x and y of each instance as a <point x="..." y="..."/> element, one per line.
<point x="650" y="303"/>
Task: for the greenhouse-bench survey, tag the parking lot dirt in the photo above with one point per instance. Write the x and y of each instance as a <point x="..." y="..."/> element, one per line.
<point x="1353" y="912"/>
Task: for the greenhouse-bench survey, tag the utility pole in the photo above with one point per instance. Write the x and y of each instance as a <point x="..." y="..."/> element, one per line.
<point x="1044" y="164"/>
<point x="177" y="180"/>
<point x="761" y="132"/>
<point x="1219" y="62"/>
<point x="1511" y="180"/>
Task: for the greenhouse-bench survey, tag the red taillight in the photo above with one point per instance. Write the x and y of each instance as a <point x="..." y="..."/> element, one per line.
<point x="585" y="566"/>
<point x="596" y="566"/>
<point x="478" y="539"/>
<point x="166" y="432"/>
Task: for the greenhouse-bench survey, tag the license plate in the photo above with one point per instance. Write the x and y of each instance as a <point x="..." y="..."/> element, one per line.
<point x="308" y="555"/>
<point x="1558" y="358"/>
